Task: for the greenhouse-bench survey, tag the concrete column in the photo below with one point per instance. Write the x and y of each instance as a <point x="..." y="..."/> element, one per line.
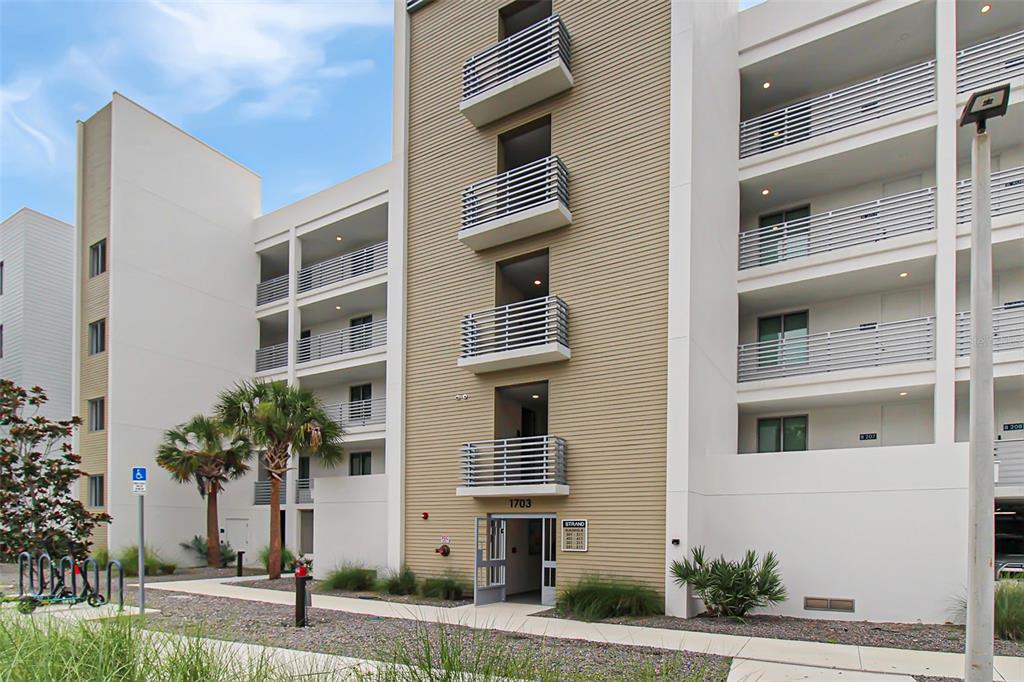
<point x="945" y="223"/>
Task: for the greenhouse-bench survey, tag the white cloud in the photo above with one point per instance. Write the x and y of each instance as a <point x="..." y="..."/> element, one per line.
<point x="345" y="70"/>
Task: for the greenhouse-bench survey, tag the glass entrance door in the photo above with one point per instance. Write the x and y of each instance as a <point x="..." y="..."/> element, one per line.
<point x="547" y="577"/>
<point x="489" y="569"/>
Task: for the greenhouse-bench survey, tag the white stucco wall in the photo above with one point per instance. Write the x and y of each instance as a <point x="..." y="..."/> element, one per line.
<point x="350" y="521"/>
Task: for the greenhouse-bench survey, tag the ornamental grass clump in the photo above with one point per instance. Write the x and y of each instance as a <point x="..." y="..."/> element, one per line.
<point x="595" y="598"/>
<point x="287" y="559"/>
<point x="154" y="563"/>
<point x="447" y="586"/>
<point x="351" y="578"/>
<point x="397" y="582"/>
<point x="1009" y="611"/>
<point x="731" y="588"/>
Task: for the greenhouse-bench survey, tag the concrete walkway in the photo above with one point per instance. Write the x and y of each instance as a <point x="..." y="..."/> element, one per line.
<point x="764" y="660"/>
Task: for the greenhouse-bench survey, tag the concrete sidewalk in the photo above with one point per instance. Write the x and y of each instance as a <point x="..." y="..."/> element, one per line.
<point x="759" y="659"/>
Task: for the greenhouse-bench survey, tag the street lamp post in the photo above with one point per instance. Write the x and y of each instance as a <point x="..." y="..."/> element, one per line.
<point x="978" y="665"/>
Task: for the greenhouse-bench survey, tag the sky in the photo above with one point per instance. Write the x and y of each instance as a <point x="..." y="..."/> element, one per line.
<point x="298" y="92"/>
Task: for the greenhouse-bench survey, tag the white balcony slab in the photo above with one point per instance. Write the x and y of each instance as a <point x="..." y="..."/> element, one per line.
<point x="541" y="490"/>
<point x="519" y="357"/>
<point x="530" y="87"/>
<point x="519" y="225"/>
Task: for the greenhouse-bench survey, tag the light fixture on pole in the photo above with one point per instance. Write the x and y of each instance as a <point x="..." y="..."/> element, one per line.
<point x="978" y="663"/>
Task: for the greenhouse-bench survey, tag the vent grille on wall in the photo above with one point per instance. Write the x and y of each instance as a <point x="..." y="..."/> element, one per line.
<point x="828" y="604"/>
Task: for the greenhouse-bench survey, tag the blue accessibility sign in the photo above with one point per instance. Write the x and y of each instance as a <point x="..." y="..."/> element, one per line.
<point x="138" y="473"/>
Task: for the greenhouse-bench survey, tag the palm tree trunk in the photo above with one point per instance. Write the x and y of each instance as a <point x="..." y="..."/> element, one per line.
<point x="212" y="529"/>
<point x="274" y="560"/>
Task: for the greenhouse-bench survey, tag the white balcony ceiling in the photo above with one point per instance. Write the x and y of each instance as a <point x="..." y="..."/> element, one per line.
<point x="355" y="303"/>
<point x="899" y="38"/>
<point x="973" y="27"/>
<point x="838" y="399"/>
<point x="349" y="375"/>
<point x="362" y="229"/>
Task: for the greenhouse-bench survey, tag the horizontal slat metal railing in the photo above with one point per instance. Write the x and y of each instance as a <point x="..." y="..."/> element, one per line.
<point x="358" y="412"/>
<point x="539" y="44"/>
<point x="343" y="341"/>
<point x="1010" y="456"/>
<point x="261" y="492"/>
<point x="535" y="460"/>
<point x="990" y="63"/>
<point x="345" y="266"/>
<point x="1007" y="194"/>
<point x="534" y="322"/>
<point x="868" y="345"/>
<point x="271" y="290"/>
<point x="862" y="223"/>
<point x="872" y="99"/>
<point x="271" y="357"/>
<point x="1007" y="329"/>
<point x="519" y="189"/>
<point x="303" y="490"/>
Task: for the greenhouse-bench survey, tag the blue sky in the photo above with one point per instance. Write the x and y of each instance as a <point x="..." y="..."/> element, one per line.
<point x="298" y="92"/>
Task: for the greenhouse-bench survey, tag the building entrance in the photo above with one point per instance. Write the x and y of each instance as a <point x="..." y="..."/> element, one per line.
<point x="515" y="559"/>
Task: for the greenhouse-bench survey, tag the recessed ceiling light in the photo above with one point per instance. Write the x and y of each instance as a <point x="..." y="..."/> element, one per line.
<point x="904" y="275"/>
<point x="337" y="307"/>
<point x="765" y="192"/>
<point x="766" y="85"/>
<point x="337" y="239"/>
<point x="535" y="396"/>
<point x="985" y="8"/>
<point x="537" y="282"/>
<point x="903" y="393"/>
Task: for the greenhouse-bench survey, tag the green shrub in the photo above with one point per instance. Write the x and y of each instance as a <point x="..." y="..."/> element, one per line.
<point x="198" y="545"/>
<point x="287" y="558"/>
<point x="447" y="586"/>
<point x="102" y="557"/>
<point x="596" y="598"/>
<point x="1009" y="610"/>
<point x="731" y="588"/>
<point x="397" y="582"/>
<point x="154" y="563"/>
<point x="350" y="577"/>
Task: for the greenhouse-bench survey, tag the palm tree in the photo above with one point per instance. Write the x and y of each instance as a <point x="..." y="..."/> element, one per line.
<point x="210" y="453"/>
<point x="280" y="420"/>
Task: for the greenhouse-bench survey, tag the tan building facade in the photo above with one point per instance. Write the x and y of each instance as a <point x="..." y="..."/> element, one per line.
<point x="609" y="266"/>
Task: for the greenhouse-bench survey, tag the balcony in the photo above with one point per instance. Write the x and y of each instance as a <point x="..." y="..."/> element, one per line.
<point x="864" y="223"/>
<point x="272" y="357"/>
<point x="1007" y="194"/>
<point x="261" y="492"/>
<point x="990" y="63"/>
<point x="869" y="345"/>
<point x="507" y="467"/>
<point x="344" y="267"/>
<point x="519" y="203"/>
<point x="1010" y="462"/>
<point x="343" y="341"/>
<point x="530" y="332"/>
<point x="527" y="67"/>
<point x="849" y="106"/>
<point x="358" y="412"/>
<point x="271" y="290"/>
<point x="303" y="490"/>
<point x="1007" y="329"/>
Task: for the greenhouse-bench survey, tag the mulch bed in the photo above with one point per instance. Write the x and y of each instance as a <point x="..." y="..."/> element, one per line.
<point x="924" y="637"/>
<point x="288" y="585"/>
<point x="360" y="636"/>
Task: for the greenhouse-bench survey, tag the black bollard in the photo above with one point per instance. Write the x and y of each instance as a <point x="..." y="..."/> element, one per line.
<point x="238" y="566"/>
<point x="300" y="600"/>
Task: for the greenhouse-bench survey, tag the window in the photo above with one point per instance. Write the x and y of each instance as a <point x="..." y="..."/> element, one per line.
<point x="784" y="243"/>
<point x="783" y="339"/>
<point x="523" y="14"/>
<point x="96" y="491"/>
<point x="525" y="144"/>
<point x="360" y="407"/>
<point x="97" y="414"/>
<point x="98" y="258"/>
<point x="1" y="277"/>
<point x="361" y="332"/>
<point x="97" y="337"/>
<point x="304" y="468"/>
<point x="782" y="434"/>
<point x="359" y="464"/>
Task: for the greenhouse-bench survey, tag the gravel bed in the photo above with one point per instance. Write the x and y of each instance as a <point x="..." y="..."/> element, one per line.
<point x="349" y="634"/>
<point x="288" y="585"/>
<point x="918" y="636"/>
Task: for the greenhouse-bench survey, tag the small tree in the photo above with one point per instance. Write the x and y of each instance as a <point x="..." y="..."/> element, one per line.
<point x="38" y="512"/>
<point x="731" y="588"/>
<point x="280" y="420"/>
<point x="205" y="451"/>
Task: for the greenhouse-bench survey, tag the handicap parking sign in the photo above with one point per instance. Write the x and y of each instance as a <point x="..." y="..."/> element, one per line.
<point x="138" y="473"/>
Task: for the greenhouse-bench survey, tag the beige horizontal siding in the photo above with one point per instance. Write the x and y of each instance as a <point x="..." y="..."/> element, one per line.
<point x="610" y="266"/>
<point x="95" y="291"/>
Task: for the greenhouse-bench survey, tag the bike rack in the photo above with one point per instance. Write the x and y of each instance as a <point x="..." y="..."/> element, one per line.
<point x="67" y="561"/>
<point x="120" y="581"/>
<point x="25" y="559"/>
<point x="95" y="586"/>
<point x="42" y="576"/>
